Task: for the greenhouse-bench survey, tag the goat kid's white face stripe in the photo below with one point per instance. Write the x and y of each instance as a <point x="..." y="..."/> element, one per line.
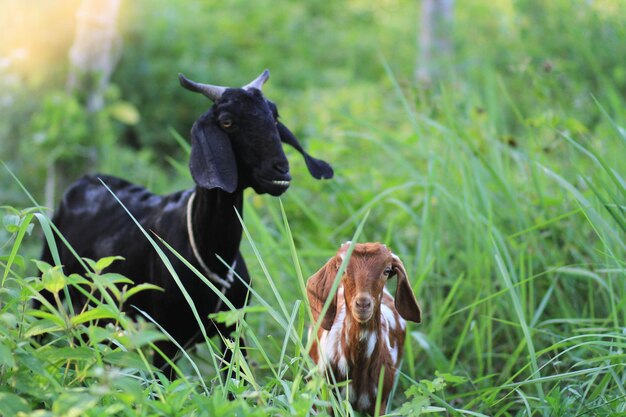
<point x="371" y="343"/>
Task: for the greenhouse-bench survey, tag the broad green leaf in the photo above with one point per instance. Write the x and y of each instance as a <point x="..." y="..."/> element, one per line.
<point x="11" y="404"/>
<point x="91" y="263"/>
<point x="75" y="279"/>
<point x="104" y="263"/>
<point x="43" y="327"/>
<point x="48" y="322"/>
<point x="53" y="279"/>
<point x="134" y="340"/>
<point x="9" y="320"/>
<point x="11" y="222"/>
<point x="109" y="279"/>
<point x="109" y="282"/>
<point x="55" y="355"/>
<point x="97" y="313"/>
<point x="453" y="379"/>
<point x="124" y="359"/>
<point x="73" y="404"/>
<point x="231" y="317"/>
<point x="98" y="334"/>
<point x="6" y="355"/>
<point x="141" y="287"/>
<point x="42" y="266"/>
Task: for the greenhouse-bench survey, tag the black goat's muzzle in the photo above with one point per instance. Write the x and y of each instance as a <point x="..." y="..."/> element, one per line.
<point x="274" y="186"/>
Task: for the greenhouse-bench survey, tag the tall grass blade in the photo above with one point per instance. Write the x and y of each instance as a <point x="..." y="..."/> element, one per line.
<point x="528" y="339"/>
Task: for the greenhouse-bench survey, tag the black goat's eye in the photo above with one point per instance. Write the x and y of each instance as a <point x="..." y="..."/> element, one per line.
<point x="226" y="123"/>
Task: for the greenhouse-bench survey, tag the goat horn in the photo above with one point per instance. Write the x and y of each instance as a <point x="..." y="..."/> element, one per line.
<point x="258" y="81"/>
<point x="213" y="92"/>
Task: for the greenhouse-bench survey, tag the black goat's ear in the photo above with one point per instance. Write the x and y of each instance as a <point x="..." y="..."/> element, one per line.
<point x="318" y="168"/>
<point x="212" y="163"/>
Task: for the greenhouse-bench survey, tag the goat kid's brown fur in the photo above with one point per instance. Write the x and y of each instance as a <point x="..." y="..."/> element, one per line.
<point x="350" y="354"/>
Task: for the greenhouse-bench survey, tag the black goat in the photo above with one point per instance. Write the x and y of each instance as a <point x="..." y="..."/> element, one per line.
<point x="235" y="145"/>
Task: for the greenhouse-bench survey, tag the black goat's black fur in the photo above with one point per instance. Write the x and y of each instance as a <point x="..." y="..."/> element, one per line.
<point x="235" y="145"/>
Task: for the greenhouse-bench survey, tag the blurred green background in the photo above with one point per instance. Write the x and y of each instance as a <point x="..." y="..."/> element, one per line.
<point x="336" y="67"/>
<point x="498" y="177"/>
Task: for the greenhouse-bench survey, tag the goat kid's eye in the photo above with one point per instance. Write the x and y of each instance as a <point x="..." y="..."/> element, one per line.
<point x="387" y="271"/>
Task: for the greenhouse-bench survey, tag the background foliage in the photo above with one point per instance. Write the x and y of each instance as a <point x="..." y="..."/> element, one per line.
<point x="500" y="185"/>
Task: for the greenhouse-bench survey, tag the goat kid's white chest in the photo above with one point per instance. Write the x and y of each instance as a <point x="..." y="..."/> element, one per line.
<point x="337" y="350"/>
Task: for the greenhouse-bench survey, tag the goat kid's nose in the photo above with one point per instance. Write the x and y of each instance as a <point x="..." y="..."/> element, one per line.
<point x="363" y="303"/>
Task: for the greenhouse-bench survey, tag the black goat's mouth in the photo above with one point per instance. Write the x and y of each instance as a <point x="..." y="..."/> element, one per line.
<point x="276" y="182"/>
<point x="281" y="183"/>
<point x="274" y="186"/>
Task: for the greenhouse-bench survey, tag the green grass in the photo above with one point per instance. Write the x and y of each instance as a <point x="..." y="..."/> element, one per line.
<point x="523" y="297"/>
<point x="502" y="187"/>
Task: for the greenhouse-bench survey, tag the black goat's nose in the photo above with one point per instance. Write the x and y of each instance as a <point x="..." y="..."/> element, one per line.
<point x="281" y="166"/>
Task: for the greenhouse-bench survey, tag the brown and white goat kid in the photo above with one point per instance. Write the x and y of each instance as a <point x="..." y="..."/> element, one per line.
<point x="364" y="328"/>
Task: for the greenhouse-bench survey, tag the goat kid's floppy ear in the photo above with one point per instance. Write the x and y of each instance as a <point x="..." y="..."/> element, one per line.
<point x="318" y="289"/>
<point x="405" y="300"/>
<point x="212" y="163"/>
<point x="319" y="169"/>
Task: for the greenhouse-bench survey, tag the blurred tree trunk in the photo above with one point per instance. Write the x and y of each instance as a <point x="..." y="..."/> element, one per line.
<point x="434" y="39"/>
<point x="93" y="56"/>
<point x="95" y="51"/>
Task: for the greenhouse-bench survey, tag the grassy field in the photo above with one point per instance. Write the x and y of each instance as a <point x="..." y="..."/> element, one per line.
<point x="501" y="185"/>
